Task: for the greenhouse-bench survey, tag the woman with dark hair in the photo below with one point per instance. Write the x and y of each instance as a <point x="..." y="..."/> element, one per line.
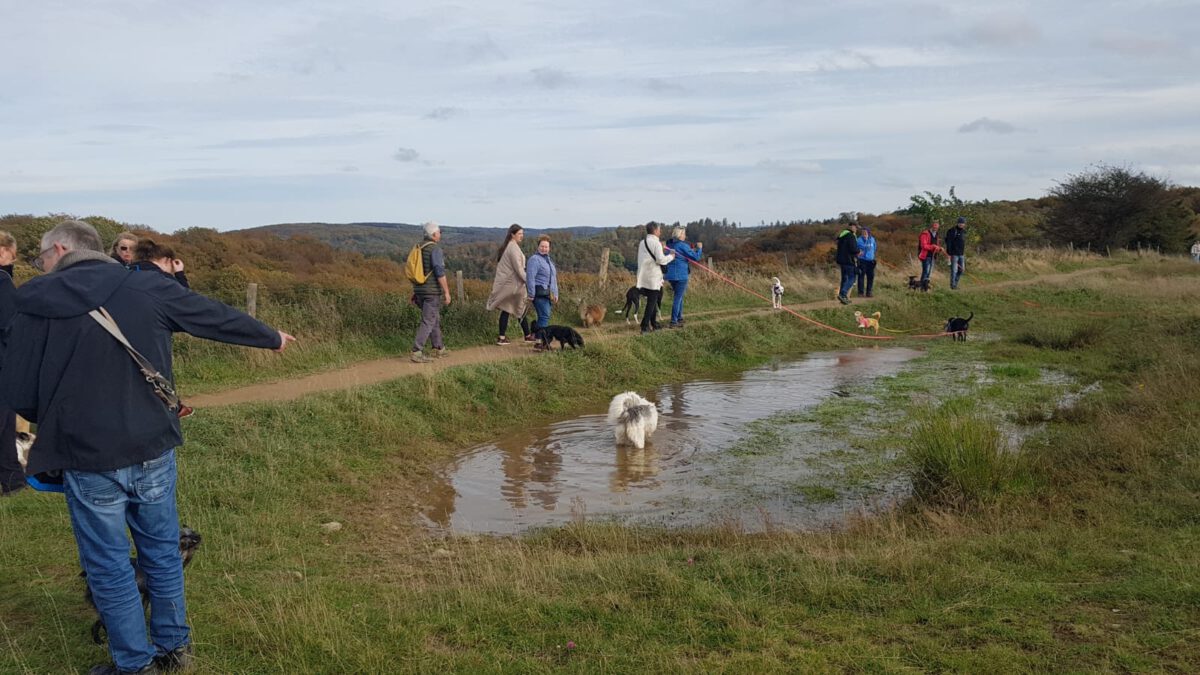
<point x="12" y="477"/>
<point x="152" y="257"/>
<point x="508" y="288"/>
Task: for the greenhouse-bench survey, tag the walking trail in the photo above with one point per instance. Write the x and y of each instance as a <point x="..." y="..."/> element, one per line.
<point x="390" y="368"/>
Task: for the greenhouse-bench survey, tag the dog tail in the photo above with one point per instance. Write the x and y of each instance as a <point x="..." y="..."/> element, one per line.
<point x="971" y="316"/>
<point x="876" y="315"/>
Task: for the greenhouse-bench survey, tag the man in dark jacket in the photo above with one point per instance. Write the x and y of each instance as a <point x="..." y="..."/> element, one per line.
<point x="956" y="250"/>
<point x="847" y="259"/>
<point x="100" y="422"/>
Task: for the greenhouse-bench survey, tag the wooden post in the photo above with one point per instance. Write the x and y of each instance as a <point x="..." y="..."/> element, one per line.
<point x="785" y="263"/>
<point x="459" y="284"/>
<point x="252" y="299"/>
<point x="604" y="266"/>
<point x="711" y="265"/>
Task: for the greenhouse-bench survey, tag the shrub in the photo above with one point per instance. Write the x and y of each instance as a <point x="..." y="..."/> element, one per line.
<point x="959" y="460"/>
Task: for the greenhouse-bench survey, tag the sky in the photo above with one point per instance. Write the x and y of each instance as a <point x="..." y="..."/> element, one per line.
<point x="549" y="113"/>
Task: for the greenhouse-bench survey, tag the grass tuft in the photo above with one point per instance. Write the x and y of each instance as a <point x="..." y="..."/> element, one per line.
<point x="960" y="460"/>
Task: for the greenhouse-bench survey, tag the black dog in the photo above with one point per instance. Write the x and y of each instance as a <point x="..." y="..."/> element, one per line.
<point x="915" y="284"/>
<point x="564" y="334"/>
<point x="959" y="327"/>
<point x="189" y="541"/>
<point x="633" y="301"/>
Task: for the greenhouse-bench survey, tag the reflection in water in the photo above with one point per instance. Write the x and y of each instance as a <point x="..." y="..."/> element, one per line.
<point x="541" y="476"/>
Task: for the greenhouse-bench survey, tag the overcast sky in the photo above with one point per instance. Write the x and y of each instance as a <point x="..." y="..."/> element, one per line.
<point x="232" y="114"/>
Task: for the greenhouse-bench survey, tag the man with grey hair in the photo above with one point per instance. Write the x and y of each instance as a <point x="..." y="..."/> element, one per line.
<point x="430" y="295"/>
<point x="106" y="428"/>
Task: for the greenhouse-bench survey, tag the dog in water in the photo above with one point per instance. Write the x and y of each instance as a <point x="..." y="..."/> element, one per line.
<point x="865" y="322"/>
<point x="633" y="301"/>
<point x="189" y="541"/>
<point x="776" y="293"/>
<point x="564" y="334"/>
<point x="591" y="315"/>
<point x="958" y="327"/>
<point x="24" y="443"/>
<point x="915" y="284"/>
<point x="633" y="419"/>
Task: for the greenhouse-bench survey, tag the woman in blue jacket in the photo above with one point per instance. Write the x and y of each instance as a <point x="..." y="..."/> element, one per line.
<point x="677" y="271"/>
<point x="866" y="263"/>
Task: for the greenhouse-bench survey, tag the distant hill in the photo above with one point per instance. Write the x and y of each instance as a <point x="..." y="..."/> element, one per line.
<point x="392" y="240"/>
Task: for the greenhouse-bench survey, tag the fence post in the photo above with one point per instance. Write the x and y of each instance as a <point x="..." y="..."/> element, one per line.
<point x="459" y="284"/>
<point x="604" y="266"/>
<point x="785" y="263"/>
<point x="711" y="265"/>
<point x="252" y="299"/>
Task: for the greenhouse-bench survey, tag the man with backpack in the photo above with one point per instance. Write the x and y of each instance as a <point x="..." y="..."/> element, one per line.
<point x="426" y="269"/>
<point x="107" y="425"/>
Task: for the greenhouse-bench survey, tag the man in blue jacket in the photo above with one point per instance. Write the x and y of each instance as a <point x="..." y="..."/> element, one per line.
<point x="100" y="422"/>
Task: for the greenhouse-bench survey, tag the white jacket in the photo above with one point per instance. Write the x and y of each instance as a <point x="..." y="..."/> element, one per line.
<point x="650" y="259"/>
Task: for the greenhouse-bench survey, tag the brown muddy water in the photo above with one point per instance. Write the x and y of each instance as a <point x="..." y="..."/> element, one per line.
<point x="687" y="475"/>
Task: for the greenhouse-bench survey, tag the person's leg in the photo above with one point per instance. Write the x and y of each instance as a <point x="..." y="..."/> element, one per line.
<point x="426" y="327"/>
<point x="542" y="305"/>
<point x="847" y="280"/>
<point x="154" y="523"/>
<point x="524" y="326"/>
<point x="862" y="277"/>
<point x="503" y="323"/>
<point x="677" y="289"/>
<point x="953" y="271"/>
<point x="435" y="335"/>
<point x="97" y="504"/>
<point x="870" y="274"/>
<point x="649" y="295"/>
<point x="926" y="267"/>
<point x="12" y="476"/>
<point x="658" y="296"/>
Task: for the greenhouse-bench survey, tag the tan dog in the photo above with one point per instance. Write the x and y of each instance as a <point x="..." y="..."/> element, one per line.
<point x="592" y="315"/>
<point x="865" y="322"/>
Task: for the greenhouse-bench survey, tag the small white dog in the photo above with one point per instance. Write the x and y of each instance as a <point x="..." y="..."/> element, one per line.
<point x="24" y="443"/>
<point x="633" y="419"/>
<point x="776" y="293"/>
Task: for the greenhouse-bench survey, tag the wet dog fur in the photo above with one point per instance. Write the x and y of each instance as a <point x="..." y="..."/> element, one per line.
<point x="959" y="327"/>
<point x="633" y="419"/>
<point x="189" y="541"/>
<point x="564" y="334"/>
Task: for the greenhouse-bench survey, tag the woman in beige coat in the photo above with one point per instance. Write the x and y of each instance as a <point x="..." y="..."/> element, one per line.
<point x="508" y="289"/>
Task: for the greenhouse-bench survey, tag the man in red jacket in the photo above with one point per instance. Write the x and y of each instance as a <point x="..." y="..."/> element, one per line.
<point x="927" y="249"/>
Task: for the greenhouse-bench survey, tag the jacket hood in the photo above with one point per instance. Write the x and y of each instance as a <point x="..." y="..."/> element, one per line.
<point x="80" y="282"/>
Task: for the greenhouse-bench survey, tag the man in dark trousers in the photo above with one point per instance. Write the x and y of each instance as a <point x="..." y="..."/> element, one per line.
<point x="103" y="425"/>
<point x="956" y="248"/>
<point x="847" y="260"/>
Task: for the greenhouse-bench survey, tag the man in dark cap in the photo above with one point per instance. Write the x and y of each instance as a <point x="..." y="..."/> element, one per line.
<point x="956" y="246"/>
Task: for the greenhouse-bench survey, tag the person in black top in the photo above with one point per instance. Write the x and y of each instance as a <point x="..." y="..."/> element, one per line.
<point x="12" y="477"/>
<point x="847" y="259"/>
<point x="956" y="248"/>
<point x="152" y="257"/>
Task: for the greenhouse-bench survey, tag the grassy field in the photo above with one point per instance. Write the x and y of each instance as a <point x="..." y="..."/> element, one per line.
<point x="1076" y="551"/>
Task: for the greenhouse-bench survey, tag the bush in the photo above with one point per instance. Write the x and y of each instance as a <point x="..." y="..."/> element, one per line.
<point x="959" y="460"/>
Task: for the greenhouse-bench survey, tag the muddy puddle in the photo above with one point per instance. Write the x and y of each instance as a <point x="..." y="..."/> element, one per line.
<point x="698" y="469"/>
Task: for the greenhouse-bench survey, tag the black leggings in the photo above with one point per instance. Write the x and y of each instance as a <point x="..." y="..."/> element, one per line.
<point x="650" y="316"/>
<point x="504" y="324"/>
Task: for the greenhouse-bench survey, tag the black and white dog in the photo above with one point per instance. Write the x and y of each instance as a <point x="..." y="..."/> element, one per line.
<point x="633" y="302"/>
<point x="959" y="327"/>
<point x="189" y="541"/>
<point x="564" y="334"/>
<point x="632" y="418"/>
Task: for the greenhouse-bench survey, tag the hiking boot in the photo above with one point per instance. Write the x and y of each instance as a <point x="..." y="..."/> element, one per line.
<point x="441" y="352"/>
<point x="419" y="357"/>
<point x="502" y="340"/>
<point x="177" y="660"/>
<point x="112" y="669"/>
<point x="843" y="299"/>
<point x="674" y="324"/>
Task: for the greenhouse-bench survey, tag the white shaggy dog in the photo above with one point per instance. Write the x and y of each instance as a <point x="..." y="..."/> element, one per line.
<point x="633" y="419"/>
<point x="24" y="443"/>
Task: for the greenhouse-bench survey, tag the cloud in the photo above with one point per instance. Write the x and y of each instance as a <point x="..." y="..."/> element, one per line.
<point x="1132" y="45"/>
<point x="442" y="113"/>
<point x="551" y="78"/>
<point x="661" y="86"/>
<point x="987" y="125"/>
<point x="1004" y="31"/>
<point x="778" y="166"/>
<point x="295" y="141"/>
<point x="406" y="155"/>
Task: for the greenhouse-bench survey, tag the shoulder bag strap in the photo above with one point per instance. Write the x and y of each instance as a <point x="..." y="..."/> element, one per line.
<point x="162" y="386"/>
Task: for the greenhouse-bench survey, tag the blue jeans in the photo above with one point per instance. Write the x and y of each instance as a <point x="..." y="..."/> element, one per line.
<point x="848" y="274"/>
<point x="926" y="267"/>
<point x="678" y="288"/>
<point x="543" y="307"/>
<point x="958" y="264"/>
<point x="102" y="505"/>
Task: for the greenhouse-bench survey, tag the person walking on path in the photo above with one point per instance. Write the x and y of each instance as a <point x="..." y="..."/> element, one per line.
<point x="847" y="260"/>
<point x="677" y="271"/>
<point x="430" y="295"/>
<point x="866" y="263"/>
<point x="508" y="288"/>
<point x="110" y="431"/>
<point x="651" y="259"/>
<point x="541" y="284"/>
<point x="956" y="248"/>
<point x="927" y="249"/>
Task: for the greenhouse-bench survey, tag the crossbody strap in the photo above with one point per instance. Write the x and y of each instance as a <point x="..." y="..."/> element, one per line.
<point x="162" y="386"/>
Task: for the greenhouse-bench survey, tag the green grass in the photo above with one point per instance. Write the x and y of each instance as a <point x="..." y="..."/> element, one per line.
<point x="1087" y="563"/>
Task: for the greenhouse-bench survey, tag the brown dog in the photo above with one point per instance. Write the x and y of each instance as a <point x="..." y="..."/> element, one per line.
<point x="592" y="315"/>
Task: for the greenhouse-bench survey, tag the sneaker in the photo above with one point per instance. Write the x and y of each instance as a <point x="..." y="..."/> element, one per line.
<point x="502" y="340"/>
<point x="177" y="660"/>
<point x="441" y="352"/>
<point x="674" y="324"/>
<point x="419" y="357"/>
<point x="531" y="338"/>
<point x="112" y="669"/>
<point x="843" y="299"/>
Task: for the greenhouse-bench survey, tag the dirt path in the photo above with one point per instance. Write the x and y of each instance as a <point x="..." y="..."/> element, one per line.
<point x="382" y="370"/>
